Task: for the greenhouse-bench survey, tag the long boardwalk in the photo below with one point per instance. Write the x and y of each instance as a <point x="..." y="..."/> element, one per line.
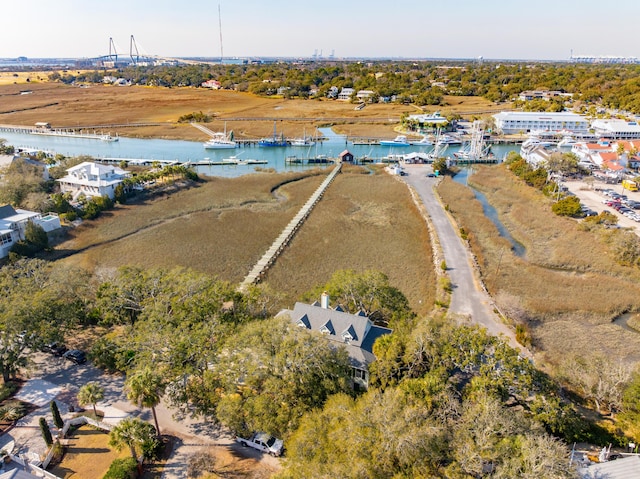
<point x="287" y="234"/>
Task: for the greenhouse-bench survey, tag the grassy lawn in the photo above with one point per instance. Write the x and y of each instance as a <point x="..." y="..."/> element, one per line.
<point x="567" y="289"/>
<point x="87" y="455"/>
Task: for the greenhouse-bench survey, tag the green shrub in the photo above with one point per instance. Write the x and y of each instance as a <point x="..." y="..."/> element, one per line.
<point x="569" y="206"/>
<point x="125" y="468"/>
<point x="46" y="432"/>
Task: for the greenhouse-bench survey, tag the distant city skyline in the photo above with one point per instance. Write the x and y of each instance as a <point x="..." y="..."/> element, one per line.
<point x="498" y="29"/>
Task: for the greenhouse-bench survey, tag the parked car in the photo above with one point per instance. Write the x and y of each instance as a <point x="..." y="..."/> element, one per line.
<point x="75" y="356"/>
<point x="263" y="442"/>
<point x="57" y="349"/>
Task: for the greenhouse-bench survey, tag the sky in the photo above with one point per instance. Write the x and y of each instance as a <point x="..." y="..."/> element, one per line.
<point x="492" y="29"/>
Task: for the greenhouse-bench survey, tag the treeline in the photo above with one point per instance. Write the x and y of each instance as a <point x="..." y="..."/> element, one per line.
<point x="422" y="83"/>
<point x="444" y="400"/>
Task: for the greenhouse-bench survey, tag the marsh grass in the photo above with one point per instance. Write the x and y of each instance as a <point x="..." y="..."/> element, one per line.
<point x="568" y="286"/>
<point x="159" y="109"/>
<point x="363" y="222"/>
<point x="219" y="227"/>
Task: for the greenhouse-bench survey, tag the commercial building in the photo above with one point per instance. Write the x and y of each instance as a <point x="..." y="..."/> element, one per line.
<point x="514" y="122"/>
<point x="615" y="129"/>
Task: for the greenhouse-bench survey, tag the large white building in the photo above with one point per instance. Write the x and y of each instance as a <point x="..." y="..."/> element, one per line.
<point x="92" y="179"/>
<point x="513" y="122"/>
<point x="616" y="129"/>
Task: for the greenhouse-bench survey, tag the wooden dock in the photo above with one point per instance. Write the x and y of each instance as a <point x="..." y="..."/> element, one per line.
<point x="278" y="246"/>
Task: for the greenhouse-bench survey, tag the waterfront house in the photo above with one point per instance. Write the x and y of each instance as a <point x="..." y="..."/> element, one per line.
<point x="13" y="223"/>
<point x="519" y="122"/>
<point x="364" y="95"/>
<point x="346" y="94"/>
<point x="355" y="332"/>
<point x="92" y="179"/>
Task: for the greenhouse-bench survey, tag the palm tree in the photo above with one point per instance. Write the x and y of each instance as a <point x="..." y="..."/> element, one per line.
<point x="132" y="433"/>
<point x="91" y="393"/>
<point x="145" y="388"/>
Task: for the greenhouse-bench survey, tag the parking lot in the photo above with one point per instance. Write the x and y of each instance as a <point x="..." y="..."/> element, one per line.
<point x="600" y="196"/>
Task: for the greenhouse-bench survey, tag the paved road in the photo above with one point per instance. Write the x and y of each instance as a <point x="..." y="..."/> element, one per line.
<point x="468" y="298"/>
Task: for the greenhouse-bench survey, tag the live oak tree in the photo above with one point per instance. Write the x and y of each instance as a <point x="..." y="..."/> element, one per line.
<point x="37" y="303"/>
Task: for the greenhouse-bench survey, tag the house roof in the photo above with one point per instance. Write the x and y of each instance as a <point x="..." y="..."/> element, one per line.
<point x="625" y="468"/>
<point x="345" y="152"/>
<point x="7" y="211"/>
<point x="353" y="331"/>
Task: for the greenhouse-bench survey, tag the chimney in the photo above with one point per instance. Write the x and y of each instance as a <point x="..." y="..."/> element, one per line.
<point x="324" y="300"/>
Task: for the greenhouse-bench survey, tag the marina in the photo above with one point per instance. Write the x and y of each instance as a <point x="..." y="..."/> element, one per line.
<point x="210" y="162"/>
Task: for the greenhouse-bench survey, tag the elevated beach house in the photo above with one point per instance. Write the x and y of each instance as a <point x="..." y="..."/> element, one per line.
<point x="355" y="332"/>
<point x="13" y="223"/>
<point x="92" y="179"/>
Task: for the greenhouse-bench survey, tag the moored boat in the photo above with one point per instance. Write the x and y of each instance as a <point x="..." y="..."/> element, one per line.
<point x="220" y="141"/>
<point x="399" y="140"/>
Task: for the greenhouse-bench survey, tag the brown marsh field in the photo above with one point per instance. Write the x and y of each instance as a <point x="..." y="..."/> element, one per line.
<point x="567" y="288"/>
<point x="138" y="111"/>
<point x="222" y="226"/>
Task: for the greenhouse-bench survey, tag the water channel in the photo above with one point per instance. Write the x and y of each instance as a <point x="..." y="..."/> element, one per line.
<point x="490" y="212"/>
<point x="193" y="151"/>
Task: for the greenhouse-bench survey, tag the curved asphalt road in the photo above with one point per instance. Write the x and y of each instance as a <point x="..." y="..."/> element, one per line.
<point x="468" y="298"/>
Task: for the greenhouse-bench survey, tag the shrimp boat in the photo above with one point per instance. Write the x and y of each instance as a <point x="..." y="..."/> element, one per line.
<point x="477" y="149"/>
<point x="274" y="141"/>
<point x="304" y="141"/>
<point x="221" y="141"/>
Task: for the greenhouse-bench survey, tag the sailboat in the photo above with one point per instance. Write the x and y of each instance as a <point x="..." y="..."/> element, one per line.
<point x="275" y="141"/>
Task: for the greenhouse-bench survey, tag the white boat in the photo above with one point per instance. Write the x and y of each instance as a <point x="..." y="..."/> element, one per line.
<point x="304" y="141"/>
<point x="477" y="149"/>
<point x="449" y="140"/>
<point x="425" y="141"/>
<point x="399" y="140"/>
<point x="567" y="142"/>
<point x="220" y="141"/>
<point x="109" y="138"/>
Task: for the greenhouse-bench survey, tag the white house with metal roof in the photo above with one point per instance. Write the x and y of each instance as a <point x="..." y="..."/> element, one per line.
<point x="92" y="179"/>
<point x="355" y="332"/>
<point x="513" y="122"/>
<point x="13" y="223"/>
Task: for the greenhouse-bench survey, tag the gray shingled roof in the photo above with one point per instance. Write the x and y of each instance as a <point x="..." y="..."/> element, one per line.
<point x="7" y="211"/>
<point x="337" y="325"/>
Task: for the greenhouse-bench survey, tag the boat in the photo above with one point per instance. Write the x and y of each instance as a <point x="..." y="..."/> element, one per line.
<point x="399" y="140"/>
<point x="220" y="141"/>
<point x="477" y="149"/>
<point x="439" y="148"/>
<point x="449" y="140"/>
<point x="274" y="141"/>
<point x="425" y="141"/>
<point x="109" y="138"/>
<point x="304" y="141"/>
<point x="567" y="142"/>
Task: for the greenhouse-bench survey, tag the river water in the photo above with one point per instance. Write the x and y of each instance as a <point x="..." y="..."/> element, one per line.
<point x="183" y="151"/>
<point x="490" y="212"/>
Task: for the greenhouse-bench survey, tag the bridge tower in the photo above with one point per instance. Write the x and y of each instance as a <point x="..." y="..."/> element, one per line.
<point x="132" y="46"/>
